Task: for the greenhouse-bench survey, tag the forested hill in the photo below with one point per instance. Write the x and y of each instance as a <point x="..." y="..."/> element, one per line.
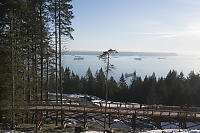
<point x="119" y="53"/>
<point x="174" y="89"/>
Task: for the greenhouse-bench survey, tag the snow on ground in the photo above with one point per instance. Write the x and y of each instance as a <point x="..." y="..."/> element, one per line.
<point x="98" y="101"/>
<point x="172" y="131"/>
<point x="13" y="131"/>
<point x="92" y="132"/>
<point x="151" y="131"/>
<point x="116" y="104"/>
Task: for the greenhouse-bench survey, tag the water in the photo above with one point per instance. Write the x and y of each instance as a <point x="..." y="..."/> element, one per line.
<point x="128" y="64"/>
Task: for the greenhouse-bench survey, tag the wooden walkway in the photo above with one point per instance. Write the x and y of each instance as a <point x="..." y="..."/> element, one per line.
<point x="129" y="114"/>
<point x="119" y="110"/>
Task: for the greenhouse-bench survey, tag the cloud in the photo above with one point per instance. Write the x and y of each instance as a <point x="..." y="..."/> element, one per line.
<point x="189" y="2"/>
<point x="191" y="31"/>
<point x="158" y="35"/>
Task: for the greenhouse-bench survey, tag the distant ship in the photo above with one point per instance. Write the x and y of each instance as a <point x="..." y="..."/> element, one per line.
<point x="115" y="57"/>
<point x="138" y="58"/>
<point x="78" y="58"/>
<point x="129" y="75"/>
<point x="161" y="58"/>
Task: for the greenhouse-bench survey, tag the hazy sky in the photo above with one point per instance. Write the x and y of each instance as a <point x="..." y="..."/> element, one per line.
<point x="137" y="25"/>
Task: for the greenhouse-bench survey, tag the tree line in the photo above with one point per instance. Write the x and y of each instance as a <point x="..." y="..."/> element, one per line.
<point x="31" y="34"/>
<point x="174" y="89"/>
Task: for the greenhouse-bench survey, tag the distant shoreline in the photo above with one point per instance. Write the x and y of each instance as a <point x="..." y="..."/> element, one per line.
<point x="120" y="53"/>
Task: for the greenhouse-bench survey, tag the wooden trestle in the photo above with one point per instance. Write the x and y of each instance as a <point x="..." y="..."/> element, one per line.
<point x="129" y="114"/>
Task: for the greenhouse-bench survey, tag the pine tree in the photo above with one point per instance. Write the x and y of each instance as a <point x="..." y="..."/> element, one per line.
<point x="100" y="83"/>
<point x="122" y="83"/>
<point x="90" y="82"/>
<point x="123" y="87"/>
<point x="152" y="94"/>
<point x="52" y="82"/>
<point x="193" y="80"/>
<point x="67" y="80"/>
<point x="113" y="89"/>
<point x="83" y="85"/>
<point x="25" y="43"/>
<point x="75" y="83"/>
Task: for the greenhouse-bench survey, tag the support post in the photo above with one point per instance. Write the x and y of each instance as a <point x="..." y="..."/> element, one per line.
<point x="158" y="123"/>
<point x="56" y="118"/>
<point x="13" y="119"/>
<point x="62" y="119"/>
<point x="47" y="116"/>
<point x="183" y="125"/>
<point x="109" y="122"/>
<point x="38" y="120"/>
<point x="27" y="117"/>
<point x="105" y="117"/>
<point x="133" y="122"/>
<point x="85" y="120"/>
<point x="33" y="118"/>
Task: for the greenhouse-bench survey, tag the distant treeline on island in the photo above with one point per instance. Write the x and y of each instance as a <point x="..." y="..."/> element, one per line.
<point x="174" y="89"/>
<point x="120" y="53"/>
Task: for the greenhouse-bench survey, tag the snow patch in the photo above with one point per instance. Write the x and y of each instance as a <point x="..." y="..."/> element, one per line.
<point x="172" y="131"/>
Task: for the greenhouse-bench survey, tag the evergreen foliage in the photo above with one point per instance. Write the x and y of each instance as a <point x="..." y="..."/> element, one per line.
<point x="27" y="53"/>
<point x="174" y="89"/>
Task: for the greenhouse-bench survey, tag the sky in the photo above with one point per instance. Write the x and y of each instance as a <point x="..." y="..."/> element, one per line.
<point x="136" y="25"/>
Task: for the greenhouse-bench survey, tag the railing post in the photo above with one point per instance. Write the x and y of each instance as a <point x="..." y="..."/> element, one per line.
<point x="100" y="106"/>
<point x="118" y="109"/>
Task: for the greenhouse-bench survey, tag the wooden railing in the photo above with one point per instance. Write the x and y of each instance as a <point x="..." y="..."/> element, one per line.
<point x="80" y="102"/>
<point x="118" y="108"/>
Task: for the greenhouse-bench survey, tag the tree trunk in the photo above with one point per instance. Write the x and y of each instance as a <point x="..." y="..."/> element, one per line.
<point x="41" y="54"/>
<point x="106" y="89"/>
<point x="56" y="55"/>
<point x="29" y="74"/>
<point x="60" y="65"/>
<point x="13" y="71"/>
<point x="47" y="76"/>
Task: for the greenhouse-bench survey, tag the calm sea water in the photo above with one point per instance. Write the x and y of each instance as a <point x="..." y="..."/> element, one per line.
<point x="128" y="64"/>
